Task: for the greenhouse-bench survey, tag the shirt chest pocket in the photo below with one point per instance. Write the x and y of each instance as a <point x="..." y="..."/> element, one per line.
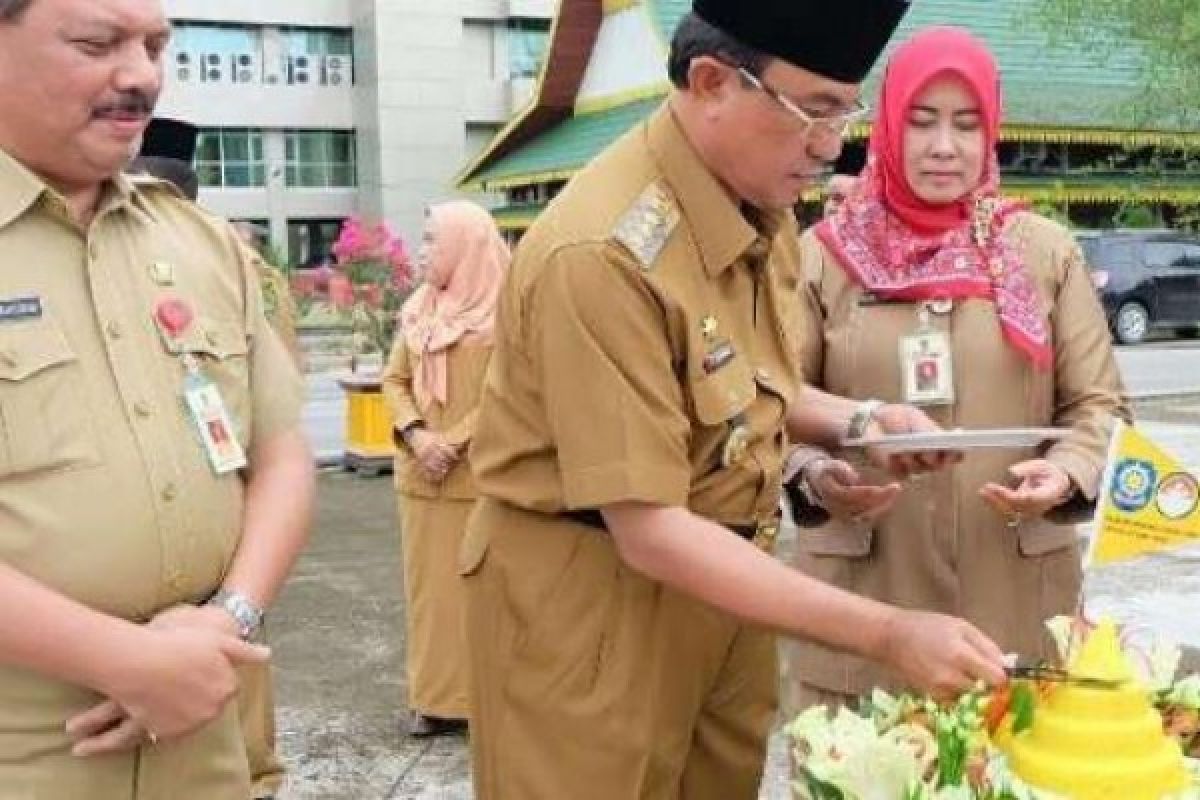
<point x="221" y="351"/>
<point x="44" y="425"/>
<point x="721" y="401"/>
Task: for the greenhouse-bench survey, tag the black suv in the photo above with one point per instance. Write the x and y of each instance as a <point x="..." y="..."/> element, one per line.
<point x="1146" y="280"/>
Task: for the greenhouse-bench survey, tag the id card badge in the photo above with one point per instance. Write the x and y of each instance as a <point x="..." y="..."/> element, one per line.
<point x="211" y="419"/>
<point x="927" y="366"/>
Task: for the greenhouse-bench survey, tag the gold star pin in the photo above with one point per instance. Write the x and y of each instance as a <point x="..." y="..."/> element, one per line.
<point x="708" y="327"/>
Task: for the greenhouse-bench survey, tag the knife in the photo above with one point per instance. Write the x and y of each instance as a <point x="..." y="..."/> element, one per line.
<point x="1044" y="672"/>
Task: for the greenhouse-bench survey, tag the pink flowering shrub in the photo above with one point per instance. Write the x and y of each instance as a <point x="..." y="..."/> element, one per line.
<point x="372" y="275"/>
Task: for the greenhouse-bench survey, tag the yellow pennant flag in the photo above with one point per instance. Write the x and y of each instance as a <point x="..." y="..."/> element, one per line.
<point x="1148" y="501"/>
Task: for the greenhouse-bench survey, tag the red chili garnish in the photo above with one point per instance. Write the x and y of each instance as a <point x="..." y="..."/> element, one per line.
<point x="997" y="707"/>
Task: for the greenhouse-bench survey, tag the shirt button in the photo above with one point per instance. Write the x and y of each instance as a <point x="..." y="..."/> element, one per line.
<point x="170" y="492"/>
<point x="142" y="410"/>
<point x="113" y="329"/>
<point x="762" y="374"/>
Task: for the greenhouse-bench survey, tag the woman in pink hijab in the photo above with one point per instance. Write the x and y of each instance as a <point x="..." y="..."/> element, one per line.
<point x="432" y="384"/>
<point x="929" y="287"/>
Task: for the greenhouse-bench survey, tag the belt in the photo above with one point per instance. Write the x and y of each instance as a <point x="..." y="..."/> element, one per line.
<point x="762" y="533"/>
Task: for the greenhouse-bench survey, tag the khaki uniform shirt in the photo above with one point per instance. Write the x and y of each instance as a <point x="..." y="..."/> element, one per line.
<point x="106" y="495"/>
<point x="644" y="322"/>
<point x="943" y="547"/>
<point x="466" y="365"/>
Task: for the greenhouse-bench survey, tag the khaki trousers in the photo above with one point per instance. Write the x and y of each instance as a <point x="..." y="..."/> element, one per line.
<point x="256" y="712"/>
<point x="591" y="682"/>
<point x="207" y="765"/>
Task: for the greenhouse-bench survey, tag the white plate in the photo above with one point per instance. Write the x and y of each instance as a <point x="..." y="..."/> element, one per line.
<point x="961" y="439"/>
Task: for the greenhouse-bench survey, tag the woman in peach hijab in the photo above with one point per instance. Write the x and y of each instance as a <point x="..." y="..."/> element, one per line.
<point x="432" y="384"/>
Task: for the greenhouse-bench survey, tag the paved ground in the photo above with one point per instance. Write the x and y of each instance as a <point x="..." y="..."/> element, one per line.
<point x="338" y="635"/>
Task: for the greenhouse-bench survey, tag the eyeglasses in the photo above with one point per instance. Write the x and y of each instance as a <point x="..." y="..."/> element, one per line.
<point x="832" y="125"/>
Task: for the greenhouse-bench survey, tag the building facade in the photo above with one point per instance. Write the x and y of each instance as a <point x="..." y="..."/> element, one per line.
<point x="313" y="110"/>
<point x="1074" y="141"/>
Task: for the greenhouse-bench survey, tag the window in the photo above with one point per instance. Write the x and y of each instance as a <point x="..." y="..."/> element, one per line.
<point x="324" y="55"/>
<point x="528" y="40"/>
<point x="310" y="241"/>
<point x="216" y="53"/>
<point x="1164" y="254"/>
<point x="1106" y="253"/>
<point x="227" y="40"/>
<point x="317" y="41"/>
<point x="320" y="159"/>
<point x="230" y="158"/>
<point x="1191" y="256"/>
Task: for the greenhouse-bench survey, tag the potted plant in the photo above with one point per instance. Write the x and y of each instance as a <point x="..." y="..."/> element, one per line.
<point x="370" y="278"/>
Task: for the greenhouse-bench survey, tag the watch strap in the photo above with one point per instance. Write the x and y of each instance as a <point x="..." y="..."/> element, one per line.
<point x="245" y="613"/>
<point x="860" y="420"/>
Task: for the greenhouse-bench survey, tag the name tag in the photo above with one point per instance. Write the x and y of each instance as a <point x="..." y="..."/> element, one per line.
<point x="928" y="369"/>
<point x="16" y="308"/>
<point x="211" y="419"/>
<point x="718" y="357"/>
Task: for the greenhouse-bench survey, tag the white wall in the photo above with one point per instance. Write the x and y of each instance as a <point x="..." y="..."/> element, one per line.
<point x="258" y="106"/>
<point x="317" y="13"/>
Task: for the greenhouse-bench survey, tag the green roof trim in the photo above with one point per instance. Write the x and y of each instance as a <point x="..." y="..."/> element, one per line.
<point x="568" y="146"/>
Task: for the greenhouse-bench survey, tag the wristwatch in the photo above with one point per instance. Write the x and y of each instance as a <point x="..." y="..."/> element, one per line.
<point x="810" y="493"/>
<point x="860" y="420"/>
<point x="249" y="617"/>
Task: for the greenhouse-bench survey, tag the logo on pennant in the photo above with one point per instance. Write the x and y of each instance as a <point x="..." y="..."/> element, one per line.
<point x="1133" y="484"/>
<point x="1148" y="502"/>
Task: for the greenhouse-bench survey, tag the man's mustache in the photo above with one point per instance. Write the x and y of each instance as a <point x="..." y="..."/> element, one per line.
<point x="134" y="101"/>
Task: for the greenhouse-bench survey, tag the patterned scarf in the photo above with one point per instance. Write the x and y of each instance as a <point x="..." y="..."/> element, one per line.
<point x="896" y="245"/>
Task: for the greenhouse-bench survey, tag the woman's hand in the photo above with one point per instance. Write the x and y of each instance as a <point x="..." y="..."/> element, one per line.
<point x="435" y="456"/>
<point x="1042" y="486"/>
<point x="842" y="492"/>
<point x="898" y="418"/>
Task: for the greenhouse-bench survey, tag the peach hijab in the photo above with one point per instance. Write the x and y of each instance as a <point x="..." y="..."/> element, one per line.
<point x="467" y="261"/>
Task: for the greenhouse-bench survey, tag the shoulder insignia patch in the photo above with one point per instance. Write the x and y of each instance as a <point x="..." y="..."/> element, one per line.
<point x="646" y="226"/>
<point x="143" y="181"/>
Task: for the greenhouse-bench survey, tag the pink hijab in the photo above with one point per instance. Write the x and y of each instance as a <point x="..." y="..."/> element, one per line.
<point x="467" y="262"/>
<point x="896" y="245"/>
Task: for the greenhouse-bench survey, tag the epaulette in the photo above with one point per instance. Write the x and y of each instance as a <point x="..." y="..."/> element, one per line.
<point x="645" y="228"/>
<point x="144" y="180"/>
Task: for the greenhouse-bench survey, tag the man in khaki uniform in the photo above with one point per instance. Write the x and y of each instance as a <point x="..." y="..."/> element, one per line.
<point x="632" y="434"/>
<point x="167" y="151"/>
<point x="149" y="453"/>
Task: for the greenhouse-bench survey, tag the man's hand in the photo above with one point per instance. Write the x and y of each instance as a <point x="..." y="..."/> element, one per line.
<point x="897" y="418"/>
<point x="941" y="655"/>
<point x="435" y="456"/>
<point x="843" y="493"/>
<point x="204" y="617"/>
<point x="1043" y="486"/>
<point x="175" y="676"/>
